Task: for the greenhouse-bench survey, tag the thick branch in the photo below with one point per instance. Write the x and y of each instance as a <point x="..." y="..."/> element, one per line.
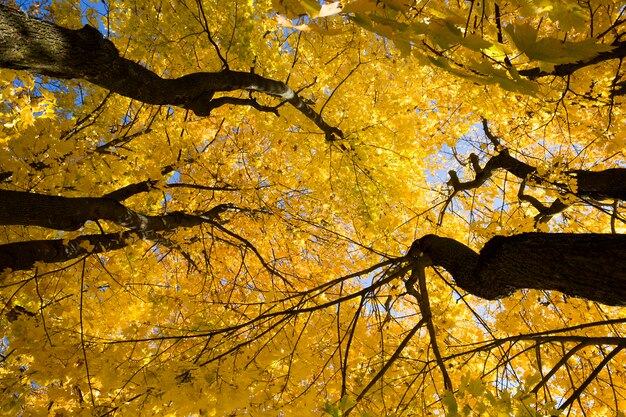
<point x="149" y="185"/>
<point x="590" y="266"/>
<point x="130" y="190"/>
<point x="419" y="277"/>
<point x="19" y="256"/>
<point x="601" y="185"/>
<point x="27" y="43"/>
<point x="222" y="101"/>
<point x="545" y="213"/>
<point x="63" y="213"/>
<point x="596" y="185"/>
<point x="500" y="161"/>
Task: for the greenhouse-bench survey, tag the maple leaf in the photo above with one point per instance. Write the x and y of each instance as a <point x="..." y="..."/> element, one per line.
<point x="206" y="208"/>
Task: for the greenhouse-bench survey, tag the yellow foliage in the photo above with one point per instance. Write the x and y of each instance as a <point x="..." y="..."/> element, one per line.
<point x="249" y="316"/>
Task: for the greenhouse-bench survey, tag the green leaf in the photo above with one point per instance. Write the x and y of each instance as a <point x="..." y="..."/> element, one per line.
<point x="449" y="402"/>
<point x="445" y="33"/>
<point x="553" y="50"/>
<point x="331" y="409"/>
<point x="523" y="35"/>
<point x="399" y="5"/>
<point x="360" y="6"/>
<point x="346" y="403"/>
<point x="475" y="387"/>
<point x="312" y="7"/>
<point x="570" y="15"/>
<point x="557" y="52"/>
<point x="475" y="42"/>
<point x="403" y="45"/>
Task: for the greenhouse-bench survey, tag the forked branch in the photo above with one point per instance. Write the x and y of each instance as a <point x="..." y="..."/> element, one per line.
<point x="62" y="213"/>
<point x="30" y="44"/>
<point x="585" y="185"/>
<point x="418" y="276"/>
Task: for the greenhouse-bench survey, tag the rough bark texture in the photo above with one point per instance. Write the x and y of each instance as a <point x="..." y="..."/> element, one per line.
<point x="21" y="256"/>
<point x="63" y="213"/>
<point x="27" y="43"/>
<point x="599" y="185"/>
<point x="590" y="266"/>
<point x="595" y="185"/>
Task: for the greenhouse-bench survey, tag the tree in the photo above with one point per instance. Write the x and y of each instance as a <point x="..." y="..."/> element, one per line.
<point x="490" y="43"/>
<point x="218" y="209"/>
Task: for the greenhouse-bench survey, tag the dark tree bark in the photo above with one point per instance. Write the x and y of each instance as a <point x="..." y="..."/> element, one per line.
<point x="590" y="266"/>
<point x="589" y="185"/>
<point x="30" y="44"/>
<point x="63" y="213"/>
<point x="19" y="256"/>
<point x="599" y="185"/>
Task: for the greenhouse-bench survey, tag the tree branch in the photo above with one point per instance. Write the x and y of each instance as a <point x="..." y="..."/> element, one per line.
<point x="418" y="276"/>
<point x="591" y="376"/>
<point x="558" y="365"/>
<point x="545" y="213"/>
<point x="222" y="101"/>
<point x="387" y="365"/>
<point x="63" y="213"/>
<point x="19" y="256"/>
<point x="597" y="185"/>
<point x="149" y="185"/>
<point x="27" y="43"/>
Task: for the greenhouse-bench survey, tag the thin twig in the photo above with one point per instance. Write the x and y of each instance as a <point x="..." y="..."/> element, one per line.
<point x="388" y="364"/>
<point x="558" y="365"/>
<point x="419" y="276"/>
<point x="208" y="32"/>
<point x="427" y="314"/>
<point x="576" y="394"/>
<point x="82" y="333"/>
<point x="344" y="368"/>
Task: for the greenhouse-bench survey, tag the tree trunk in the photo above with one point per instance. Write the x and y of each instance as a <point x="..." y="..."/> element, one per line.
<point x="30" y="44"/>
<point x="54" y="212"/>
<point x="27" y="43"/>
<point x="600" y="185"/>
<point x="590" y="266"/>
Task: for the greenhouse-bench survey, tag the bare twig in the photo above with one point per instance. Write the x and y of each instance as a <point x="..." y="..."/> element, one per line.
<point x="576" y="394"/>
<point x="222" y="101"/>
<point x="82" y="335"/>
<point x="418" y="276"/>
<point x="558" y="365"/>
<point x="205" y="27"/>
<point x="387" y="365"/>
<point x="591" y="185"/>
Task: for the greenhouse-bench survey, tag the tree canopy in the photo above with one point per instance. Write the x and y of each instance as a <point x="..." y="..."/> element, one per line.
<point x="295" y="207"/>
